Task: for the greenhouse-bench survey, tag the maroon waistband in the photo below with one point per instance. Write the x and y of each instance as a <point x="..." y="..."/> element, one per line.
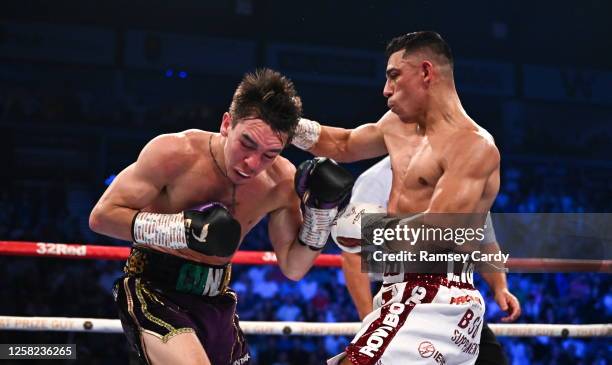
<point x="428" y="279"/>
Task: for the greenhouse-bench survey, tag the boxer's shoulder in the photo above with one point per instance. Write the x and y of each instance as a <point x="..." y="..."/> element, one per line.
<point x="192" y="140"/>
<point x="478" y="139"/>
<point x="391" y="125"/>
<point x="281" y="175"/>
<point x="181" y="144"/>
<point x="389" y="121"/>
<point x="280" y="183"/>
<point x="476" y="145"/>
<point x="175" y="152"/>
<point x="467" y="133"/>
<point x="477" y="136"/>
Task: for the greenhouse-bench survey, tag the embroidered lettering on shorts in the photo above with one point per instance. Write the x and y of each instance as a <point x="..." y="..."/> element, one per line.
<point x="372" y="343"/>
<point x="200" y="280"/>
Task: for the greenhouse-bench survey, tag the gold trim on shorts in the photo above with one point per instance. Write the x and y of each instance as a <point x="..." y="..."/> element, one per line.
<point x="130" y="301"/>
<point x="140" y="289"/>
<point x="227" y="275"/>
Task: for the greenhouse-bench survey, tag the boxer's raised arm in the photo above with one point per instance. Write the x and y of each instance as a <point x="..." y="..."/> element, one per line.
<point x="323" y="188"/>
<point x="294" y="259"/>
<point x="138" y="185"/>
<point x="343" y="145"/>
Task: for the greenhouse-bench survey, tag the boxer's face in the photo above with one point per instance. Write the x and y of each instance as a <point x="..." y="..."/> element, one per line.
<point x="406" y="86"/>
<point x="251" y="147"/>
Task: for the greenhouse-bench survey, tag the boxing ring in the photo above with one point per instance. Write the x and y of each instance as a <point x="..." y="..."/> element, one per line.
<point x="103" y="325"/>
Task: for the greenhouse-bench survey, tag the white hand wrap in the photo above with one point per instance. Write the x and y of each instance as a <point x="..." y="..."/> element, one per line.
<point x="348" y="226"/>
<point x="317" y="226"/>
<point x="306" y="134"/>
<point x="163" y="230"/>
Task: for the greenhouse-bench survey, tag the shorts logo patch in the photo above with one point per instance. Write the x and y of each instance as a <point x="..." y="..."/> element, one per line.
<point x="426" y="349"/>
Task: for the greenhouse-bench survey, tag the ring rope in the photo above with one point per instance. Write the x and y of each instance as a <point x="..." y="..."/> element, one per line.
<point x="86" y="251"/>
<point x="101" y="325"/>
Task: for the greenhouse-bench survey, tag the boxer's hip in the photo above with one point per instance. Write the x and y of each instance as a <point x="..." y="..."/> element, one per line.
<point x="425" y="316"/>
<point x="164" y="295"/>
<point x="170" y="273"/>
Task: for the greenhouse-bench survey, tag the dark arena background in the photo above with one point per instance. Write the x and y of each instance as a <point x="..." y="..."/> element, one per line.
<point x="85" y="84"/>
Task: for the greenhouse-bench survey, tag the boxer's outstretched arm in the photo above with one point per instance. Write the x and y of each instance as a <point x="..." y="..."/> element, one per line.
<point x="138" y="185"/>
<point x="348" y="145"/>
<point x="357" y="283"/>
<point x="343" y="145"/>
<point x="293" y="258"/>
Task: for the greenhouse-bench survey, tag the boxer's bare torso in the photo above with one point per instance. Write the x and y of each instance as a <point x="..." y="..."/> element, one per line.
<point x="420" y="160"/>
<point x="204" y="182"/>
<point x="452" y="168"/>
<point x="196" y="180"/>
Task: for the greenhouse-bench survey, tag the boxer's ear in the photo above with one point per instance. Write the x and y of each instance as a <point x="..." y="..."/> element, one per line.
<point x="427" y="69"/>
<point x="226" y="124"/>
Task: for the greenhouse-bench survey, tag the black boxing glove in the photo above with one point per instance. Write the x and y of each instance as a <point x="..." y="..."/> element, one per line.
<point x="325" y="189"/>
<point x="209" y="229"/>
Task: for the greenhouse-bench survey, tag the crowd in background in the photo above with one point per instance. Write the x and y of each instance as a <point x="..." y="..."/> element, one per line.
<point x="67" y="104"/>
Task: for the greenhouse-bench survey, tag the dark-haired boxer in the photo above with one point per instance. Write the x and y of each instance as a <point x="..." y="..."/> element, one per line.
<point x="443" y="162"/>
<point x="371" y="194"/>
<point x="188" y="201"/>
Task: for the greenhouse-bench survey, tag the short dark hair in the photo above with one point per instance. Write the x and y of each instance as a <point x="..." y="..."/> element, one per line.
<point x="269" y="96"/>
<point x="417" y="41"/>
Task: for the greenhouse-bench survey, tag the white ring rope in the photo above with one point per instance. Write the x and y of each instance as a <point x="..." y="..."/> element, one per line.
<point x="100" y="325"/>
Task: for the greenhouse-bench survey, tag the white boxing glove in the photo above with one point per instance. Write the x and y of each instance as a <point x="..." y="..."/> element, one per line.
<point x="346" y="232"/>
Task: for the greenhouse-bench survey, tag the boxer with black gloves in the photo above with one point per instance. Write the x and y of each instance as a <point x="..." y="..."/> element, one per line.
<point x="325" y="190"/>
<point x="174" y="301"/>
<point x="209" y="229"/>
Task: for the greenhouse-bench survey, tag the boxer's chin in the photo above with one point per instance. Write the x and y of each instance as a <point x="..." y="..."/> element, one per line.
<point x="239" y="177"/>
<point x="347" y="244"/>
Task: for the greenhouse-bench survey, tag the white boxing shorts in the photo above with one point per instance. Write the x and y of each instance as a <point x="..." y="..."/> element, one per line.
<point x="419" y="319"/>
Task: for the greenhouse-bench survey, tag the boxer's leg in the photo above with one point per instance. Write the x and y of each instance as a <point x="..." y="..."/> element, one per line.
<point x="491" y="351"/>
<point x="155" y="327"/>
<point x="182" y="349"/>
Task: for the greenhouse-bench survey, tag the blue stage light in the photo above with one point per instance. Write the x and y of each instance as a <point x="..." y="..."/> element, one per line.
<point x="109" y="179"/>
